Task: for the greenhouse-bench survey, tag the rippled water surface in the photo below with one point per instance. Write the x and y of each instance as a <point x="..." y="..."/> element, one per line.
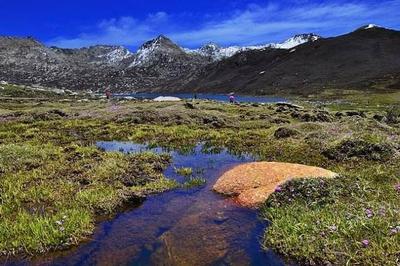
<point x="180" y="227"/>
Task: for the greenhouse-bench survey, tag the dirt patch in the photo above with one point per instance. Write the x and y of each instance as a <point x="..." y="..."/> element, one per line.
<point x="252" y="183"/>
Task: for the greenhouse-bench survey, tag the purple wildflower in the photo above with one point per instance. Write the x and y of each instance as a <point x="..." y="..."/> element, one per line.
<point x="394" y="230"/>
<point x="397" y="187"/>
<point x="365" y="243"/>
<point x="369" y="213"/>
<point x="278" y="189"/>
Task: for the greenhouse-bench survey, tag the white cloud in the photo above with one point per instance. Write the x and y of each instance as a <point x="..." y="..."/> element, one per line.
<point x="252" y="25"/>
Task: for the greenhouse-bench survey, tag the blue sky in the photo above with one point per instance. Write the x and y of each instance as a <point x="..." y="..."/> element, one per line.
<point x="81" y="23"/>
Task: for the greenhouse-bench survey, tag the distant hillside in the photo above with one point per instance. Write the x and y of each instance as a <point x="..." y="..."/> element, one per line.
<point x="367" y="58"/>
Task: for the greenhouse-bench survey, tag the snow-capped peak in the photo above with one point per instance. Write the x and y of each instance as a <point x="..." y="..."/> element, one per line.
<point x="218" y="53"/>
<point x="370" y="26"/>
<point x="297" y="40"/>
<point x="214" y="51"/>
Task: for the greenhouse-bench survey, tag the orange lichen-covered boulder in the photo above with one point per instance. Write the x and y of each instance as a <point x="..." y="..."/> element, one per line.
<point x="252" y="183"/>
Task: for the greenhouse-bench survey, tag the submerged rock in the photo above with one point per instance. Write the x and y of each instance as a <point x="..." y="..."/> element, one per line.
<point x="252" y="183"/>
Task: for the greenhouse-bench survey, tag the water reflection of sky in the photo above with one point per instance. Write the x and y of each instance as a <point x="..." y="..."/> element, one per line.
<point x="206" y="96"/>
<point x="180" y="227"/>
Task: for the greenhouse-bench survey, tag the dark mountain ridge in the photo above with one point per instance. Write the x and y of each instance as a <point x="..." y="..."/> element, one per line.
<point x="356" y="60"/>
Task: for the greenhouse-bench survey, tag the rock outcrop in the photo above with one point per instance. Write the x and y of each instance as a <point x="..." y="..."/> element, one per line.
<point x="252" y="183"/>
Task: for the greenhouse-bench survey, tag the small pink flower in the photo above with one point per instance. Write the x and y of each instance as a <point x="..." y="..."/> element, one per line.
<point x="397" y="187"/>
<point x="278" y="189"/>
<point x="365" y="243"/>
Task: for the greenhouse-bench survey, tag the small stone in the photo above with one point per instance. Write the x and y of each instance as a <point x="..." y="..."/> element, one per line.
<point x="220" y="218"/>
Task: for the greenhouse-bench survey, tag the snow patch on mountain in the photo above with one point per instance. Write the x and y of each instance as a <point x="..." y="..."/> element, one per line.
<point x="296" y="40"/>
<point x="370" y="26"/>
<point x="217" y="53"/>
<point x="116" y="55"/>
<point x="214" y="51"/>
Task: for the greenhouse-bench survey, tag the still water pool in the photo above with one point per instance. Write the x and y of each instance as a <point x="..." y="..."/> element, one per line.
<point x="206" y="96"/>
<point x="181" y="227"/>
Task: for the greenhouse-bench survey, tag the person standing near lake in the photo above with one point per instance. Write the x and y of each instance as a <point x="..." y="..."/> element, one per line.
<point x="231" y="98"/>
<point x="108" y="93"/>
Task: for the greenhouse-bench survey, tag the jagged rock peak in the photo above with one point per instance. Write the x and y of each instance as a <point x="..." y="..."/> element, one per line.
<point x="160" y="41"/>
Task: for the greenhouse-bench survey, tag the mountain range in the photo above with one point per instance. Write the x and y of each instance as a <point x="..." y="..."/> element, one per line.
<point x="367" y="58"/>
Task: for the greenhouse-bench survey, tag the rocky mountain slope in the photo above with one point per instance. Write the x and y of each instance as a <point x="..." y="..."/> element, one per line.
<point x="161" y="64"/>
<point x="367" y="57"/>
<point x="26" y="61"/>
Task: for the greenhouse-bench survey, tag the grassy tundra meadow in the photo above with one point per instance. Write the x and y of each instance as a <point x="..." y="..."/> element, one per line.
<point x="55" y="184"/>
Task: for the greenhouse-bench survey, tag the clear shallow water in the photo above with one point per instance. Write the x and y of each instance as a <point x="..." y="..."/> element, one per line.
<point x="180" y="227"/>
<point x="215" y="97"/>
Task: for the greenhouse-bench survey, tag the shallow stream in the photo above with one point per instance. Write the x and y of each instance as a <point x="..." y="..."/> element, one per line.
<point x="181" y="227"/>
